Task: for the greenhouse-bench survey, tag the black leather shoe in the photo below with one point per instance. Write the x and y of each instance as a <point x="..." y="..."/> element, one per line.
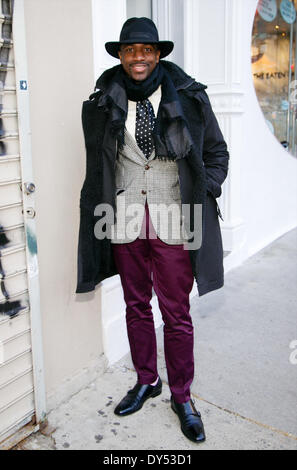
<point x="190" y="420"/>
<point x="136" y="397"/>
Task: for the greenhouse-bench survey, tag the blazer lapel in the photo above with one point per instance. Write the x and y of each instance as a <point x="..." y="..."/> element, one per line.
<point x="132" y="144"/>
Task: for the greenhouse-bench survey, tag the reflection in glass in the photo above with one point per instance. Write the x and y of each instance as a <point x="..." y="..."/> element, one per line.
<point x="274" y="67"/>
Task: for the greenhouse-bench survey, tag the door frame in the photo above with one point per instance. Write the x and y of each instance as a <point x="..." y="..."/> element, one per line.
<point x="23" y="106"/>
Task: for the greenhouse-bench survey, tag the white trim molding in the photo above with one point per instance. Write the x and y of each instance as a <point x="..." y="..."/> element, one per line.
<point x="107" y="24"/>
<point x="217" y="62"/>
<point x="20" y="52"/>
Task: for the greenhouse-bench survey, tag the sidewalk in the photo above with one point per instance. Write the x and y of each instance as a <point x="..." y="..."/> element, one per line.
<point x="245" y="385"/>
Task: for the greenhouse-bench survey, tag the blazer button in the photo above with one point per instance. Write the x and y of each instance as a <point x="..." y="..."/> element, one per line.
<point x="147" y="167"/>
<point x="143" y="192"/>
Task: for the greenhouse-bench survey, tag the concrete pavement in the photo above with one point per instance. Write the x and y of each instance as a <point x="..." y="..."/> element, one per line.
<point x="245" y="384"/>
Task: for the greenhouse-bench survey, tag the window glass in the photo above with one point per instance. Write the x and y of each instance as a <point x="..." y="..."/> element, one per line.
<point x="273" y="52"/>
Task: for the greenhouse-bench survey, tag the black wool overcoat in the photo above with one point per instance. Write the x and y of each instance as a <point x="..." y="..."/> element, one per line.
<point x="201" y="175"/>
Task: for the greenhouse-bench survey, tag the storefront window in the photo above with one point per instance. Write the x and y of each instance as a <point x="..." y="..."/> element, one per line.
<point x="274" y="57"/>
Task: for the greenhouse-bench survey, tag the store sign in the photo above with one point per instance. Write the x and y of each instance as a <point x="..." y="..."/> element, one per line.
<point x="267" y="9"/>
<point x="288" y="11"/>
<point x="270" y="75"/>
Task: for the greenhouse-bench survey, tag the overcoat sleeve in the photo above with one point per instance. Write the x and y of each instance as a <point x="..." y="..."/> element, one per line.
<point x="87" y="262"/>
<point x="215" y="153"/>
<point x="208" y="260"/>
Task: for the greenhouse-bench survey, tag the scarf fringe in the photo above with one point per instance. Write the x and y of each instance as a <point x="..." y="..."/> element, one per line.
<point x="173" y="157"/>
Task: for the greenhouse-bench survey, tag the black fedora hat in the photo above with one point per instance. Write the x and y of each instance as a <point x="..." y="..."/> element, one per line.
<point x="139" y="31"/>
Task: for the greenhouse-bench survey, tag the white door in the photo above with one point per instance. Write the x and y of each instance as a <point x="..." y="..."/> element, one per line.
<point x="21" y="363"/>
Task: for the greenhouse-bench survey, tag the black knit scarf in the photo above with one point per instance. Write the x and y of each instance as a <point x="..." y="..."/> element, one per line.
<point x="171" y="136"/>
<point x="139" y="91"/>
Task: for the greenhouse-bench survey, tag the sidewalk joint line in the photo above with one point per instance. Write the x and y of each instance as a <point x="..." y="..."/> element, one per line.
<point x="234" y="413"/>
<point x="251" y="420"/>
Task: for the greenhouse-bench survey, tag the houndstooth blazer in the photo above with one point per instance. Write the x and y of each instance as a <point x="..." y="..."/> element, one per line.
<point x="139" y="179"/>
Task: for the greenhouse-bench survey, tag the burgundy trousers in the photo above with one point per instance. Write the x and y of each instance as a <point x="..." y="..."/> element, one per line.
<point x="145" y="263"/>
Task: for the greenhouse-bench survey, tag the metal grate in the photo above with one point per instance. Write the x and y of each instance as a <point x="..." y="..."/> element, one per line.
<point x="11" y="220"/>
<point x="16" y="365"/>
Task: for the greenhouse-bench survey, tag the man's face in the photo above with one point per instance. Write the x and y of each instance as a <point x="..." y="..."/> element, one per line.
<point x="139" y="60"/>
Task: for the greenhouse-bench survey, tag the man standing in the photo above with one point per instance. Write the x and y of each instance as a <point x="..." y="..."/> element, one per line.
<point x="152" y="143"/>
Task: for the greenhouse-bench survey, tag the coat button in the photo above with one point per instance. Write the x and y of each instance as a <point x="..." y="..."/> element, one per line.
<point x="147" y="167"/>
<point x="143" y="192"/>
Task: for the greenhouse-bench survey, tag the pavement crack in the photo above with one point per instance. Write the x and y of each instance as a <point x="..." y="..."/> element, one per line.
<point x="251" y="420"/>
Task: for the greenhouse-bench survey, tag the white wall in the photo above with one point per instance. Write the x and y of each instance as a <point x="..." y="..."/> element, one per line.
<point x="107" y="25"/>
<point x="60" y="68"/>
<point x="259" y="195"/>
<point x="269" y="172"/>
<point x="168" y="16"/>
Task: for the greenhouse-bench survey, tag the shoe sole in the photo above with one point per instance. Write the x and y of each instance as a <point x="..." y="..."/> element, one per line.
<point x="193" y="440"/>
<point x="153" y="395"/>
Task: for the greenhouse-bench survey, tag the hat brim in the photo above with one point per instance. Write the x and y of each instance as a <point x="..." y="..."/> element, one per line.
<point x="165" y="47"/>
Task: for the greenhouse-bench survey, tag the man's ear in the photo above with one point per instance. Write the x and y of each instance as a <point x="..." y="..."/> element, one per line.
<point x="158" y="55"/>
<point x="120" y="54"/>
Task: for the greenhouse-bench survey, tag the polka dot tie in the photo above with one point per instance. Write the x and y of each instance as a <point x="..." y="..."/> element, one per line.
<point x="145" y="121"/>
